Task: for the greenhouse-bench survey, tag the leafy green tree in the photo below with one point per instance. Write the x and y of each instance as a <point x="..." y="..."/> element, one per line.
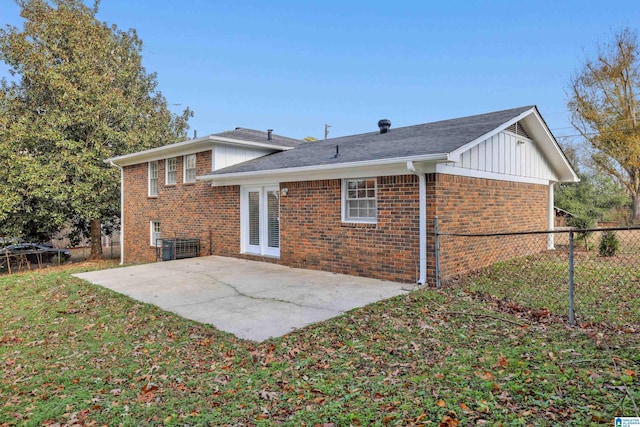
<point x="604" y="102"/>
<point x="593" y="197"/>
<point x="78" y="94"/>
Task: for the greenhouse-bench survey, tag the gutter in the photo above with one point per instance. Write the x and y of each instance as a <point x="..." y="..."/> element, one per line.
<point x="231" y="176"/>
<point x="423" y="220"/>
<point x="121" y="210"/>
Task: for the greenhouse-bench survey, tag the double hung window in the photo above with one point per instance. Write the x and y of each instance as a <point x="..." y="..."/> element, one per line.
<point x="189" y="163"/>
<point x="153" y="178"/>
<point x="359" y="200"/>
<point x="171" y="171"/>
<point x="155" y="233"/>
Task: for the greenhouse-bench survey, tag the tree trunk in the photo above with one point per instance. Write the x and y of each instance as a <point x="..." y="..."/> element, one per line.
<point x="635" y="209"/>
<point x="96" y="240"/>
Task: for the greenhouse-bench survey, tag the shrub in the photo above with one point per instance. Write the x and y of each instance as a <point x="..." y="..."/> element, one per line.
<point x="582" y="223"/>
<point x="609" y="244"/>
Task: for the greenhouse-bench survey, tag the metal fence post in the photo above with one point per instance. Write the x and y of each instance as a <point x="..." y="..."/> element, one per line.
<point x="437" y="243"/>
<point x="572" y="320"/>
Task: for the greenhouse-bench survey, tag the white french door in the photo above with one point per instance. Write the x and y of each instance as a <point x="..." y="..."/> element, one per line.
<point x="260" y="220"/>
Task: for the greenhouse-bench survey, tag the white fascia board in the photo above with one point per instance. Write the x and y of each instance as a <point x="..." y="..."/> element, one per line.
<point x="186" y="147"/>
<point x="455" y="154"/>
<point x="381" y="167"/>
<point x="474" y="173"/>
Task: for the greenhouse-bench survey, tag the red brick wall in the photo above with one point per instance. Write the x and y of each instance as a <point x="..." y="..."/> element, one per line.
<point x="475" y="205"/>
<point x="312" y="232"/>
<point x="313" y="235"/>
<point x="193" y="210"/>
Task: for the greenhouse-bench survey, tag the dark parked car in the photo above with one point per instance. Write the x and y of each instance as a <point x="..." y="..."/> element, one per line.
<point x="36" y="253"/>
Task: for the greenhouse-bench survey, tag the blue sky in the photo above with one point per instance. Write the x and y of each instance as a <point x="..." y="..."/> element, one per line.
<point x="293" y="66"/>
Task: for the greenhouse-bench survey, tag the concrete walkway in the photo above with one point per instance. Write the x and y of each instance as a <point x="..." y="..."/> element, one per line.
<point x="252" y="300"/>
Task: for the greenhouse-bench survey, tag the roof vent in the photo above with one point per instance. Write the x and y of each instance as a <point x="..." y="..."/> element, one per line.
<point x="269" y="134"/>
<point x="384" y="125"/>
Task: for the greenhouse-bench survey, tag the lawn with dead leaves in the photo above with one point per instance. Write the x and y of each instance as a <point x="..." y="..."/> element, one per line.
<point x="74" y="354"/>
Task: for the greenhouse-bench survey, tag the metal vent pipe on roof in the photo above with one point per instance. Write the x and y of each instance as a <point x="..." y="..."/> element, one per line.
<point x="269" y="134"/>
<point x="384" y="125"/>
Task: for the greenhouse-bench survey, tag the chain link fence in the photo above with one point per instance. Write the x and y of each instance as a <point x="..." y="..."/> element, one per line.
<point x="585" y="276"/>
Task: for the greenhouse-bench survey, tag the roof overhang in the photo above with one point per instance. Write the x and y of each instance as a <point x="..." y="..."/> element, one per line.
<point x="187" y="147"/>
<point x="539" y="131"/>
<point x="379" y="167"/>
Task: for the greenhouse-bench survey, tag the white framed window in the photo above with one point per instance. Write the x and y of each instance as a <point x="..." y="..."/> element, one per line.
<point x="189" y="162"/>
<point x="155" y="233"/>
<point x="153" y="178"/>
<point x="359" y="200"/>
<point x="171" y="171"/>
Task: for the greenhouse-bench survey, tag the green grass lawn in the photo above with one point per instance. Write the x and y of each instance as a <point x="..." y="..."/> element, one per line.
<point x="72" y="353"/>
<point x="607" y="290"/>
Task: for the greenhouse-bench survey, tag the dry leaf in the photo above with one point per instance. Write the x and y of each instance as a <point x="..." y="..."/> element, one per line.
<point x="268" y="395"/>
<point x="502" y="362"/>
<point x="447" y="421"/>
<point x="465" y="408"/>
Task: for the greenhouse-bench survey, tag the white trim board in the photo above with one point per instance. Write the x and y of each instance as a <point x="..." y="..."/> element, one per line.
<point x="473" y="173"/>
<point x="188" y="147"/>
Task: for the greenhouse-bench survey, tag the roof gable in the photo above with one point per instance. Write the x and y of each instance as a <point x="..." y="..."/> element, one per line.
<point x="239" y="137"/>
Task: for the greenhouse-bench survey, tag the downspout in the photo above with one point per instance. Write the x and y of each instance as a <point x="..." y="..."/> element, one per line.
<point x="121" y="211"/>
<point x="552" y="220"/>
<point x="423" y="221"/>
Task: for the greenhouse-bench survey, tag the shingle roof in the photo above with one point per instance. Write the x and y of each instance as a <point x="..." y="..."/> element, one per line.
<point x="425" y="139"/>
<point x="259" y="136"/>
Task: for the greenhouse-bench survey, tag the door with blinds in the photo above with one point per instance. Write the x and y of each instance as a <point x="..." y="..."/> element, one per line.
<point x="260" y="220"/>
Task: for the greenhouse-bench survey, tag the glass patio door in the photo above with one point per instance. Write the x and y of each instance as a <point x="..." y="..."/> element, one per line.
<point x="261" y="220"/>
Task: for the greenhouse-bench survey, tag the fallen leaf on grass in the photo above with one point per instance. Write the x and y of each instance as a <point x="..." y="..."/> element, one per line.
<point x="447" y="421"/>
<point x="149" y="388"/>
<point x="502" y="362"/>
<point x="268" y="395"/>
<point x="487" y="376"/>
<point x="147" y="393"/>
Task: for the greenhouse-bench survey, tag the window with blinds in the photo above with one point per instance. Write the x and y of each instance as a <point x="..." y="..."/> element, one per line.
<point x="273" y="219"/>
<point x="254" y="218"/>
<point x="260" y="220"/>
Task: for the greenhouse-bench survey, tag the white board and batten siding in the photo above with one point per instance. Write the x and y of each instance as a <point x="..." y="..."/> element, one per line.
<point x="507" y="154"/>
<point x="228" y="155"/>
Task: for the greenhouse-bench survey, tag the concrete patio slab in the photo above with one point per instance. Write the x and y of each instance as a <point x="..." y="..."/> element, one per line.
<point x="252" y="300"/>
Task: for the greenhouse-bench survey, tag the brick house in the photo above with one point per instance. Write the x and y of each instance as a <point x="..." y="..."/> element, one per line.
<point x="361" y="204"/>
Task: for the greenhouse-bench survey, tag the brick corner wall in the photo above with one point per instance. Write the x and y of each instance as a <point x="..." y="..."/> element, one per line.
<point x="185" y="210"/>
<point x="476" y="205"/>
